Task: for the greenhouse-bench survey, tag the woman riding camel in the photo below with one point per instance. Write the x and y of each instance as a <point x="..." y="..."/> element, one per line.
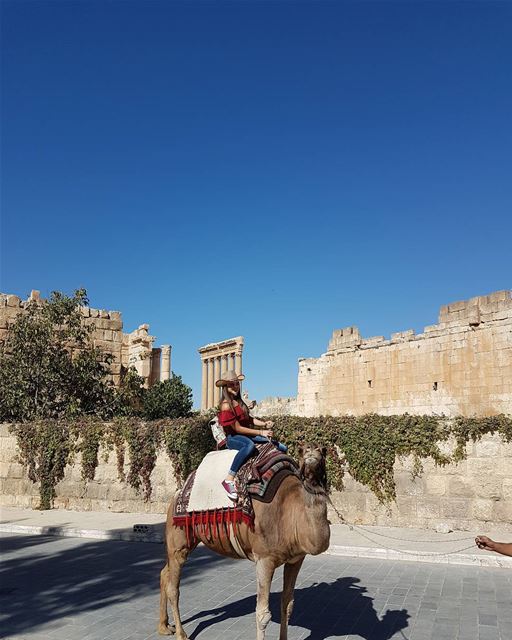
<point x="241" y="430"/>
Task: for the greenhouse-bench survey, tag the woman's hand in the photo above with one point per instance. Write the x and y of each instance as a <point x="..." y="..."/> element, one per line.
<point x="267" y="433"/>
<point x="269" y="424"/>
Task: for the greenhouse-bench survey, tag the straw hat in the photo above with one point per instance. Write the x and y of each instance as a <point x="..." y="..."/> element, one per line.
<point x="228" y="377"/>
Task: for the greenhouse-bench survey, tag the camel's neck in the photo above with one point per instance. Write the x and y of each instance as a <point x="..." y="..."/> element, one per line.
<point x="312" y="527"/>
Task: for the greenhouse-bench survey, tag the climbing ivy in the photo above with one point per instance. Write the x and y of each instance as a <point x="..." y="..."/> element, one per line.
<point x="367" y="445"/>
<point x="44" y="448"/>
<point x="466" y="429"/>
<point x="143" y="440"/>
<point x="370" y="444"/>
<point x="187" y="441"/>
<point x="87" y="436"/>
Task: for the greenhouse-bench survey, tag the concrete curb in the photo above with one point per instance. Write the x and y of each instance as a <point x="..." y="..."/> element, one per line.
<point x="152" y="534"/>
<point x="148" y="534"/>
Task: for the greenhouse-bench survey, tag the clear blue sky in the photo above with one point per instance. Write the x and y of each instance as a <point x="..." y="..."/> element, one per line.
<point x="274" y="170"/>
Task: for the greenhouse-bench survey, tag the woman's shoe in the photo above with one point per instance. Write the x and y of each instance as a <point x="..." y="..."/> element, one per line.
<point x="230" y="489"/>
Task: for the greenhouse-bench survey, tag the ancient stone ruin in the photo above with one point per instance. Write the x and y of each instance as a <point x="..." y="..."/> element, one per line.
<point x="133" y="349"/>
<point x="217" y="358"/>
<point x="460" y="366"/>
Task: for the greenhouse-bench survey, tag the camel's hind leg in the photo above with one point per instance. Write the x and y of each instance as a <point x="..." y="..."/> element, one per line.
<point x="178" y="550"/>
<point x="291" y="571"/>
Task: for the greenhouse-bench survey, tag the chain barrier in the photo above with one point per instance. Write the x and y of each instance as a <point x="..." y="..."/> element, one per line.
<point x="384" y="535"/>
<point x="409" y="553"/>
<point x="362" y="532"/>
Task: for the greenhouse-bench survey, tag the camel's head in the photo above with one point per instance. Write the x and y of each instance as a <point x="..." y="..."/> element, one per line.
<point x="312" y="465"/>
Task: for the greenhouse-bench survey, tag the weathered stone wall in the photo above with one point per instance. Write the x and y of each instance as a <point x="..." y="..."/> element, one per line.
<point x="460" y="366"/>
<point x="133" y="349"/>
<point x="105" y="493"/>
<point x="473" y="495"/>
<point x="276" y="406"/>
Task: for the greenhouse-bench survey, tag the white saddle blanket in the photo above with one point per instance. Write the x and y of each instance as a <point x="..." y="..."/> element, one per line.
<point x="207" y="491"/>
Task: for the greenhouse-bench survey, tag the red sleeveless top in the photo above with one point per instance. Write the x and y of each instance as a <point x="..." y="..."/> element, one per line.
<point x="228" y="418"/>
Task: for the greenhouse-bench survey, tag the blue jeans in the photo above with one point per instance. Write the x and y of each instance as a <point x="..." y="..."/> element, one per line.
<point x="245" y="447"/>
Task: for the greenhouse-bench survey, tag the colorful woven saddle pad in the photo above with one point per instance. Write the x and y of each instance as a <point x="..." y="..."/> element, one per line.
<point x="203" y="501"/>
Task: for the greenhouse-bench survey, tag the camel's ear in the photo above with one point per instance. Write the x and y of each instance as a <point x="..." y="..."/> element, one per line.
<point x="323" y="470"/>
<point x="324" y="478"/>
<point x="301" y="461"/>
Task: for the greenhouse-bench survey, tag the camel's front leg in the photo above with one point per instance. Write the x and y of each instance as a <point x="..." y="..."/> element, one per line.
<point x="291" y="571"/>
<point x="178" y="550"/>
<point x="265" y="568"/>
<point x="172" y="589"/>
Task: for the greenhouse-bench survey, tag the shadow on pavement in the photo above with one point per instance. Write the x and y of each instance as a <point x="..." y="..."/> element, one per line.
<point x="47" y="582"/>
<point x="326" y="609"/>
<point x="43" y="582"/>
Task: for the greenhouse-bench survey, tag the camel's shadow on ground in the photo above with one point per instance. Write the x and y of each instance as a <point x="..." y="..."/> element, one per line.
<point x="47" y="581"/>
<point x="344" y="610"/>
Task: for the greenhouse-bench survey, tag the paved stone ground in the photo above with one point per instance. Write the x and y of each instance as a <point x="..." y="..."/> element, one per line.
<point x="65" y="589"/>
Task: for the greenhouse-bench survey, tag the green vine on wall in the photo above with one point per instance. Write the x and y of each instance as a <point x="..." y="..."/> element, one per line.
<point x="44" y="448"/>
<point x="143" y="440"/>
<point x="88" y="436"/>
<point x="369" y="445"/>
<point x="466" y="429"/>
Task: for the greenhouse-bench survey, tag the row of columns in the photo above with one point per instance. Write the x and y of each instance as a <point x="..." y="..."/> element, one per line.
<point x="216" y="359"/>
<point x="159" y="364"/>
<point x="213" y="368"/>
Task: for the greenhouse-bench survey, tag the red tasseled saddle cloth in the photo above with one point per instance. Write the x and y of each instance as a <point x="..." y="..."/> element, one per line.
<point x="202" y="502"/>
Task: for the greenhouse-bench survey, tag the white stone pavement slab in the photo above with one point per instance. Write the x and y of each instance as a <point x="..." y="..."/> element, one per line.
<point x="383" y="543"/>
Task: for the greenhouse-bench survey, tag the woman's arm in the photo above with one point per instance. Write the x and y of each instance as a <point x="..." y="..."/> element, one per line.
<point x="262" y="423"/>
<point x="247" y="431"/>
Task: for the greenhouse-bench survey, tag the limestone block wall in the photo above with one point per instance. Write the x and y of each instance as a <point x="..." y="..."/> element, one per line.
<point x="276" y="406"/>
<point x="105" y="493"/>
<point x="107" y="334"/>
<point x="133" y="349"/>
<point x="474" y="495"/>
<point x="462" y="365"/>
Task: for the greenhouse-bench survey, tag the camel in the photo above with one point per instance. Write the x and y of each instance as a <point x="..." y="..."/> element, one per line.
<point x="287" y="529"/>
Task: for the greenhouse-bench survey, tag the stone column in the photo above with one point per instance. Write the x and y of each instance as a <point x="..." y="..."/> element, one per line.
<point x="204" y="386"/>
<point x="165" y="367"/>
<point x="211" y="383"/>
<point x="156" y="361"/>
<point x="216" y="370"/>
<point x="224" y="366"/>
<point x="145" y="366"/>
<point x="238" y="362"/>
